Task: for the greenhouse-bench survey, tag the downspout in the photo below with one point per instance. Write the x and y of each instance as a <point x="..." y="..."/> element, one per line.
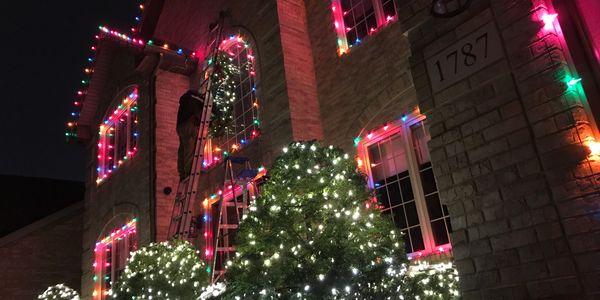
<point x="152" y="166"/>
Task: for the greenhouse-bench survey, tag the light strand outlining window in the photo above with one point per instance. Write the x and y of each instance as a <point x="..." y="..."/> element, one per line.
<point x="111" y="254"/>
<point x="397" y="161"/>
<point x="355" y="20"/>
<point x="118" y="136"/>
<point x="244" y="127"/>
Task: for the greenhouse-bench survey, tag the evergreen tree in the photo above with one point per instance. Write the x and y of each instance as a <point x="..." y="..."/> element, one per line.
<point x="167" y="270"/>
<point x="311" y="235"/>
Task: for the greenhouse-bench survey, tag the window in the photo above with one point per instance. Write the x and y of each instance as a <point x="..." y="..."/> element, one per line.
<point x="354" y="20"/>
<point x="118" y="136"/>
<point x="397" y="161"/>
<point x="111" y="256"/>
<point x="246" y="122"/>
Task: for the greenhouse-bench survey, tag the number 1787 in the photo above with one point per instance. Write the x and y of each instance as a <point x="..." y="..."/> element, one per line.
<point x="467" y="56"/>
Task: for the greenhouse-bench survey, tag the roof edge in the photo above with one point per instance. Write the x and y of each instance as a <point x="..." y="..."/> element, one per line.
<point x="39" y="224"/>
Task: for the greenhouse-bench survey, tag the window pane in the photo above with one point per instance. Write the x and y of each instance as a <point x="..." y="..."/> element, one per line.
<point x="399" y="217"/>
<point x="407" y="242"/>
<point x="134" y="129"/>
<point x="412" y="217"/>
<point x="382" y="197"/>
<point x="417" y="239"/>
<point x="420" y="138"/>
<point x="389" y="9"/>
<point x="110" y="153"/>
<point x="406" y="188"/>
<point x="439" y="232"/>
<point x="122" y="136"/>
<point x="428" y="181"/>
<point x="394" y="193"/>
<point x="433" y="206"/>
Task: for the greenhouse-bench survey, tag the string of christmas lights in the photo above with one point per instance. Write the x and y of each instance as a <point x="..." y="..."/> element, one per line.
<point x="101" y="265"/>
<point x="106" y="32"/>
<point x="118" y="136"/>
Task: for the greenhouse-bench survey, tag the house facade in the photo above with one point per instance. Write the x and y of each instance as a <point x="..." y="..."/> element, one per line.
<point x="474" y="121"/>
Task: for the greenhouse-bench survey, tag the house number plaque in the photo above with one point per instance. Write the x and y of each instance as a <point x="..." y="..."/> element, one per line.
<point x="469" y="55"/>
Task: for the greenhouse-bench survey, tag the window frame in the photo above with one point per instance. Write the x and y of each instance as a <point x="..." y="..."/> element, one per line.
<point x="124" y="107"/>
<point x="404" y="128"/>
<point x="216" y="148"/>
<point x="340" y="27"/>
<point x="102" y="285"/>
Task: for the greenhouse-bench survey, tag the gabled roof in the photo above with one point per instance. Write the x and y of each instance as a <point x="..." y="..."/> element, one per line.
<point x="28" y="199"/>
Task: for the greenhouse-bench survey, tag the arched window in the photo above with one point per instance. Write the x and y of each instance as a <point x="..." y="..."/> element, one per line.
<point x="110" y="258"/>
<point x="237" y="123"/>
<point x="118" y="134"/>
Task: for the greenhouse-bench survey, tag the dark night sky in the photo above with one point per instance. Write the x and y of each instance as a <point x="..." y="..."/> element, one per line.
<point x="43" y="50"/>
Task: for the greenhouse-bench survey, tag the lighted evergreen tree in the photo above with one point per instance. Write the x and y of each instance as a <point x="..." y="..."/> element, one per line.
<point x="59" y="292"/>
<point x="167" y="270"/>
<point x="311" y="235"/>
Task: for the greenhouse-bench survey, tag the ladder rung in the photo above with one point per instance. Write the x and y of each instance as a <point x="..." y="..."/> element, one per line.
<point x="232" y="204"/>
<point x="228" y="226"/>
<point x="225" y="249"/>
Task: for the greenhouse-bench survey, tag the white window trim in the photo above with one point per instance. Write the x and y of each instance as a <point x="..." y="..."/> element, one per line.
<point x="403" y="127"/>
<point x="340" y="26"/>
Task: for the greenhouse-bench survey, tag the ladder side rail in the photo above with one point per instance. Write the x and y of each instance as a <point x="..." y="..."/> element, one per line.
<point x="191" y="188"/>
<point x="221" y="207"/>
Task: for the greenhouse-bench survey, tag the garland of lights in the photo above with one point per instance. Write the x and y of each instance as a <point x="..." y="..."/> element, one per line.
<point x="167" y="270"/>
<point x="59" y="292"/>
<point x="312" y="235"/>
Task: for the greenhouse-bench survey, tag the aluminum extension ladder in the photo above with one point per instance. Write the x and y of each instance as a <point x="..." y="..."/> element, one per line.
<point x="182" y="213"/>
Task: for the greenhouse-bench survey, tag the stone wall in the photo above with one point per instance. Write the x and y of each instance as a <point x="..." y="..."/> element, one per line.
<point x="508" y="152"/>
<point x="364" y="88"/>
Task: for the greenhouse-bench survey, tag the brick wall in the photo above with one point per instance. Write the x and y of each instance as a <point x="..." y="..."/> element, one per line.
<point x="127" y="192"/>
<point x="45" y="253"/>
<point x="508" y="156"/>
<point x="169" y="87"/>
<point x="299" y="71"/>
